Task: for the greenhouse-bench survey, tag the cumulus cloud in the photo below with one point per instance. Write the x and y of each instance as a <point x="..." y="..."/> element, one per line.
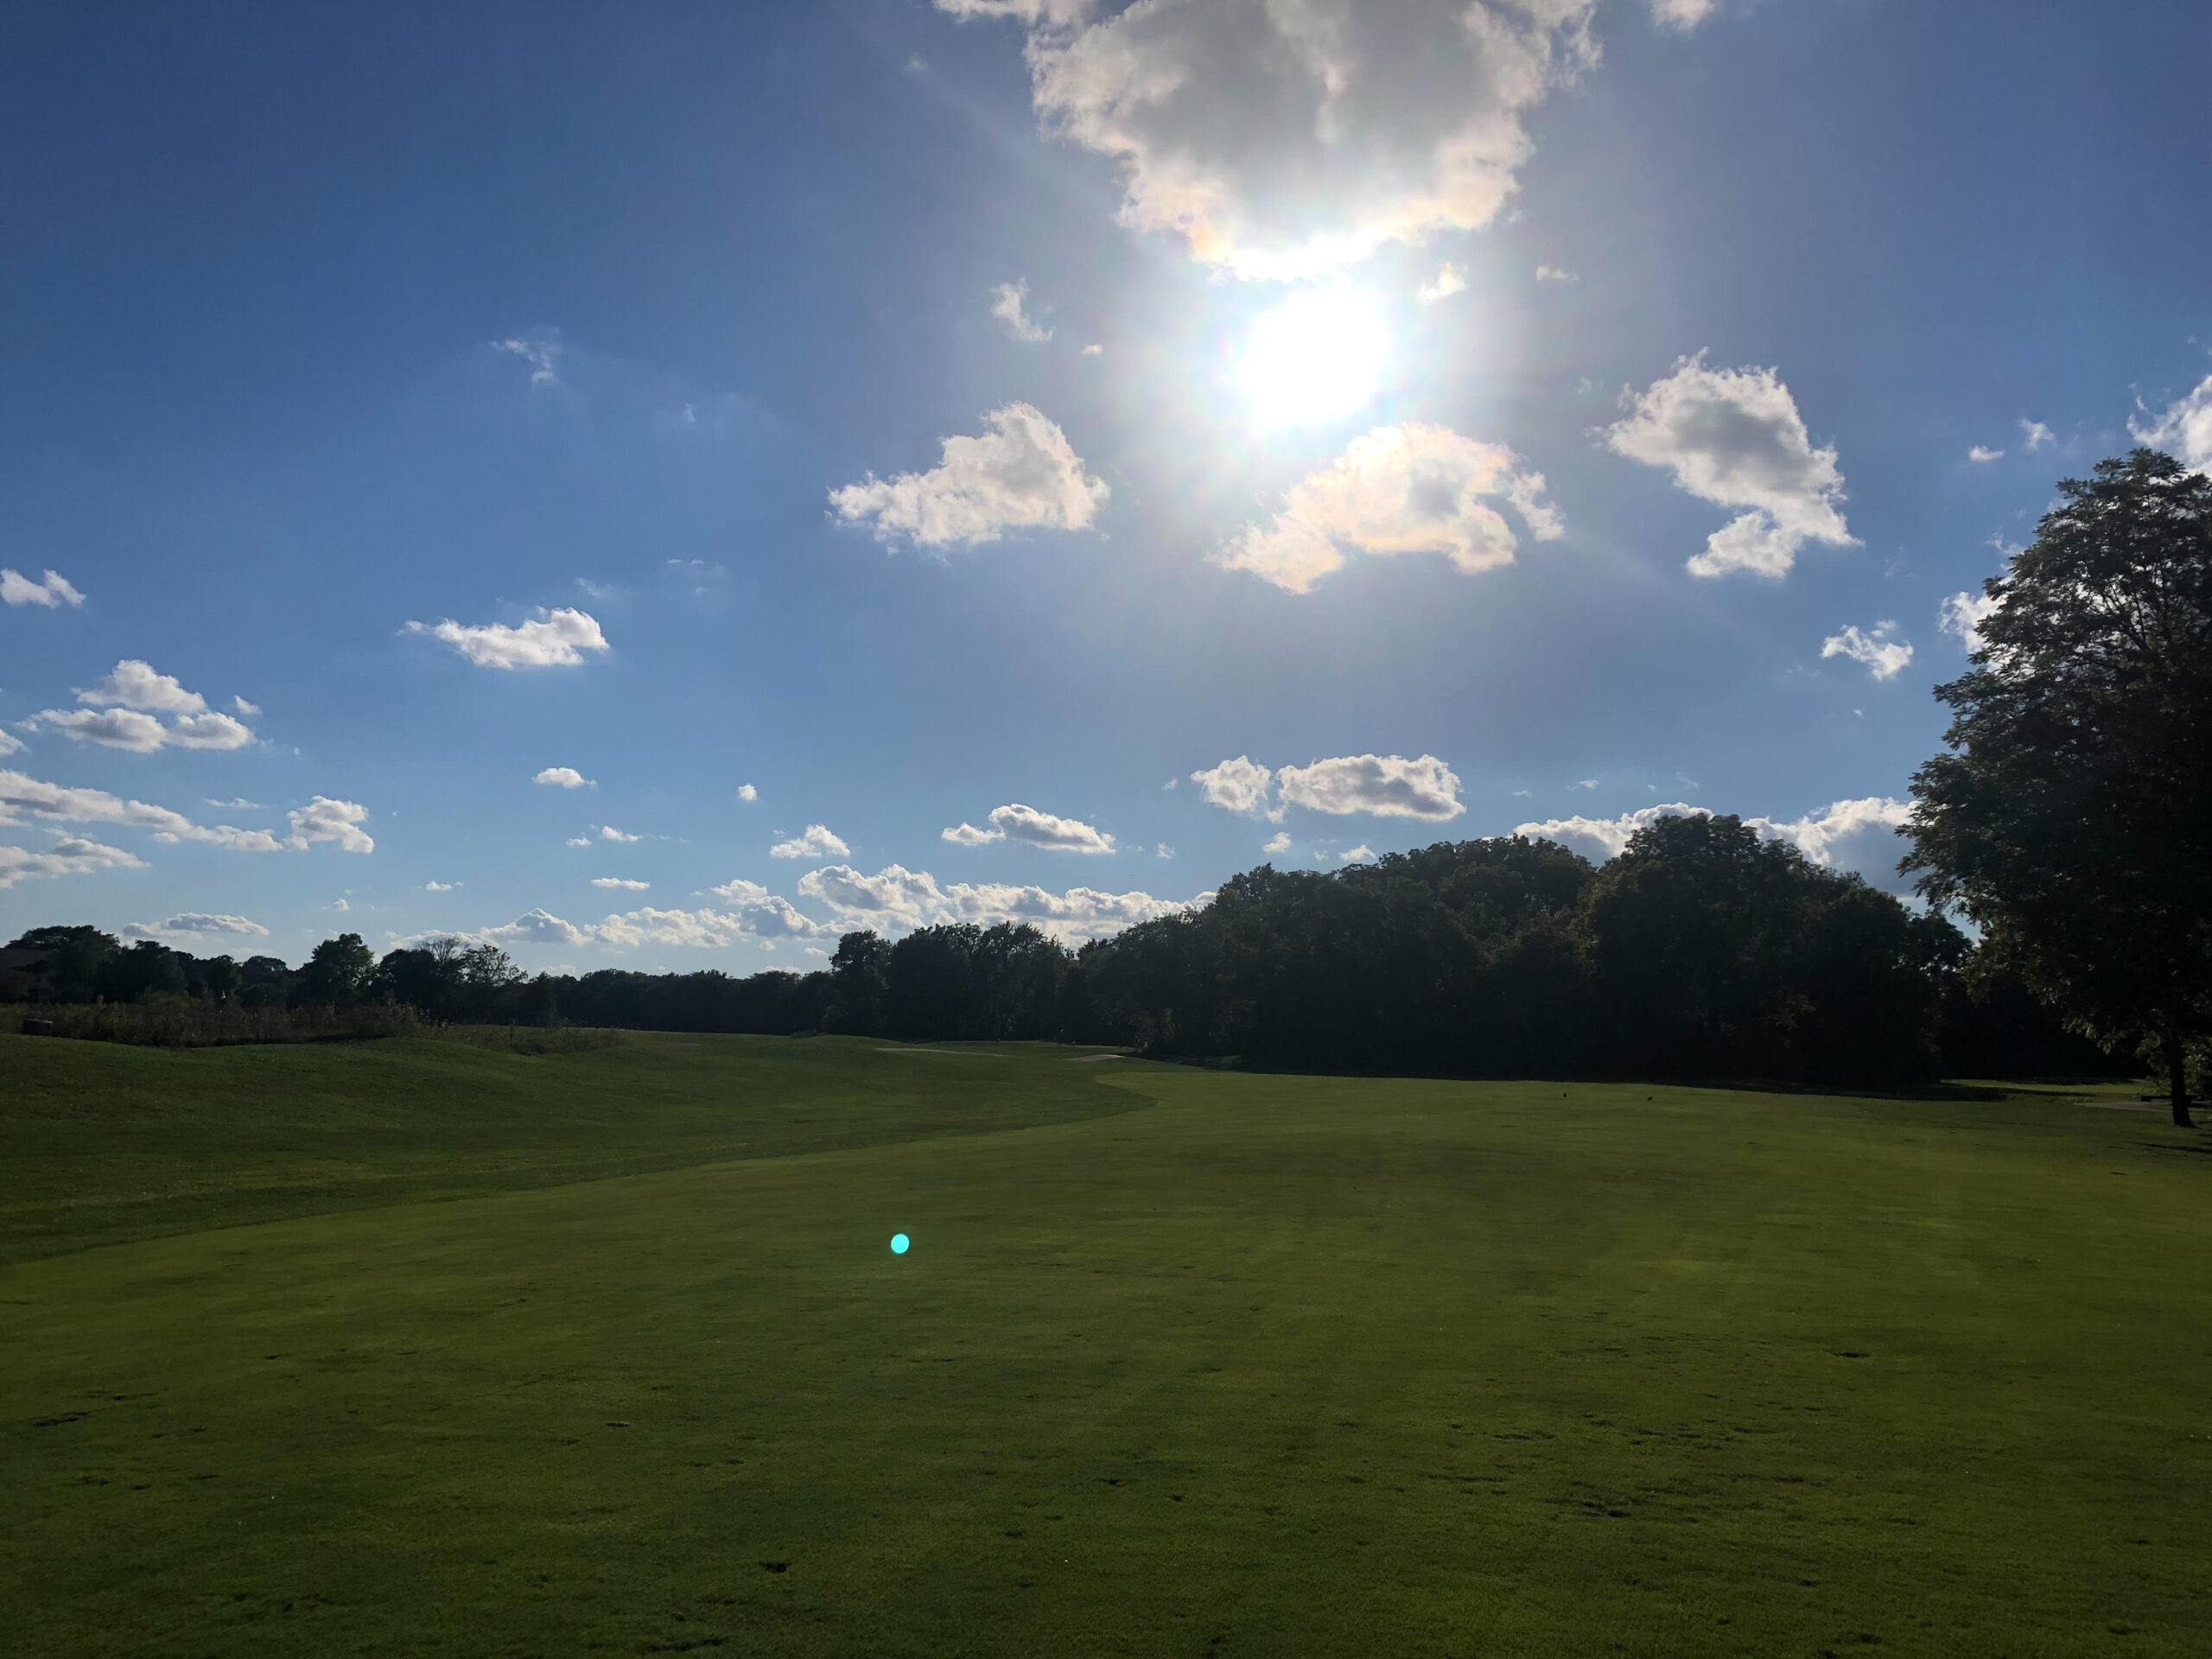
<point x="1883" y="654"/>
<point x="556" y="639"/>
<point x="1026" y="824"/>
<point x="1387" y="785"/>
<point x="2184" y="430"/>
<point x="325" y="819"/>
<point x="1962" y="615"/>
<point x="439" y="886"/>
<point x="24" y="798"/>
<point x="1078" y="914"/>
<point x="1238" y="785"/>
<point x="2035" y="434"/>
<point x="1682" y="14"/>
<point x="51" y="591"/>
<point x="619" y="881"/>
<point x="1399" y="489"/>
<point x="1008" y="305"/>
<point x="1827" y="837"/>
<point x="69" y="855"/>
<point x="1447" y="281"/>
<point x="816" y="843"/>
<point x="564" y="777"/>
<point x="537" y="927"/>
<point x="747" y="793"/>
<point x="10" y="743"/>
<point x="1277" y="844"/>
<point x="608" y="832"/>
<point x="1981" y="454"/>
<point x="193" y="924"/>
<point x="1554" y="274"/>
<point x="134" y="684"/>
<point x="1734" y="437"/>
<point x="134" y="697"/>
<point x="249" y="709"/>
<point x="767" y="915"/>
<point x="1021" y="474"/>
<point x="541" y="353"/>
<point x="1283" y="141"/>
<point x="893" y="896"/>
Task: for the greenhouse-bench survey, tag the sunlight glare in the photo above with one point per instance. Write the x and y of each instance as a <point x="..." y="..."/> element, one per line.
<point x="1316" y="357"/>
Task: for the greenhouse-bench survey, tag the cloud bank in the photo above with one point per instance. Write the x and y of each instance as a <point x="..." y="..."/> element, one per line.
<point x="1382" y="786"/>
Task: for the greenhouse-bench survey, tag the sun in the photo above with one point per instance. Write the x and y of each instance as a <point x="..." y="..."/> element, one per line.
<point x="1318" y="356"/>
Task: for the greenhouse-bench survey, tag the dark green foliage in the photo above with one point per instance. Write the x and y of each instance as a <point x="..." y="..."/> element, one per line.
<point x="861" y="974"/>
<point x="337" y="975"/>
<point x="2071" y="818"/>
<point x="962" y="982"/>
<point x="1702" y="952"/>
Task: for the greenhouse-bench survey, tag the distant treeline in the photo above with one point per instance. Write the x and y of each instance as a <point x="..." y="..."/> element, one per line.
<point x="1703" y="950"/>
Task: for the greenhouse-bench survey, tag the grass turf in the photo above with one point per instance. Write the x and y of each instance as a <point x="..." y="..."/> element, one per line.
<point x="1181" y="1363"/>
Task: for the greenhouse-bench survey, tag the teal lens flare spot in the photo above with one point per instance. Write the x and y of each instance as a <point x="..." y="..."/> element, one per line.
<point x="898" y="1244"/>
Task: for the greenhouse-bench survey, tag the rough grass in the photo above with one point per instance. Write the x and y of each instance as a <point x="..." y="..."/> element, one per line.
<point x="1181" y="1363"/>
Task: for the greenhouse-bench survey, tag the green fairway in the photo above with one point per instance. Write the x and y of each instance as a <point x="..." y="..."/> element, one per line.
<point x="406" y="1347"/>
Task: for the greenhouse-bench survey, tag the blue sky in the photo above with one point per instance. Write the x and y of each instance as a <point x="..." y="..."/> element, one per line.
<point x="1637" y="363"/>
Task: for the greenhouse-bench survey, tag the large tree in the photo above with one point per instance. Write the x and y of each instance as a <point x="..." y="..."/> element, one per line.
<point x="2071" y="818"/>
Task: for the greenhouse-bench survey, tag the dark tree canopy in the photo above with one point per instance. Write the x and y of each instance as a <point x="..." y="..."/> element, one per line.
<point x="2071" y="818"/>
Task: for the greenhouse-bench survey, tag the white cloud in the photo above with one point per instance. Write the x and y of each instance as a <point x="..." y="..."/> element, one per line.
<point x="240" y="804"/>
<point x="1161" y="849"/>
<point x="608" y="832"/>
<point x="1450" y="280"/>
<point x="23" y="799"/>
<point x="1980" y="455"/>
<point x="324" y="819"/>
<point x="564" y="777"/>
<point x="543" y="354"/>
<point x="893" y="895"/>
<point x="69" y="855"/>
<point x="746" y="792"/>
<point x="1682" y="14"/>
<point x="135" y="696"/>
<point x="1277" y="844"/>
<point x="249" y="709"/>
<point x="1094" y="350"/>
<point x="1361" y="853"/>
<point x="1399" y="489"/>
<point x="1555" y="274"/>
<point x="1026" y="824"/>
<point x="816" y="842"/>
<point x="555" y="639"/>
<point x="1884" y="655"/>
<point x="1079" y="913"/>
<point x="1238" y="785"/>
<point x="439" y="886"/>
<point x="51" y="592"/>
<point x="1007" y="305"/>
<point x="1825" y="837"/>
<point x="10" y="743"/>
<point x="1021" y="474"/>
<point x="1735" y="437"/>
<point x="537" y="927"/>
<point x="198" y="925"/>
<point x="2035" y="434"/>
<point x="619" y="881"/>
<point x="116" y="728"/>
<point x="1387" y="785"/>
<point x="134" y="684"/>
<point x="2184" y="430"/>
<point x="1282" y="140"/>
<point x="1962" y="615"/>
<point x="577" y="841"/>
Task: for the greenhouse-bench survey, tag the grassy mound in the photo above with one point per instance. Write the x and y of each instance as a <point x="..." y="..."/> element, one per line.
<point x="1181" y="1363"/>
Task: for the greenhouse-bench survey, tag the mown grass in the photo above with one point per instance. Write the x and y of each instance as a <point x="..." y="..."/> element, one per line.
<point x="1219" y="1363"/>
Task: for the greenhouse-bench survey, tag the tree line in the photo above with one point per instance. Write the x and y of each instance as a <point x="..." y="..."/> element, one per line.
<point x="1703" y="950"/>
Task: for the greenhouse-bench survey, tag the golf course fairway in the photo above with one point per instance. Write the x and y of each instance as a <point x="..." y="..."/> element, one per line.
<point x="412" y="1347"/>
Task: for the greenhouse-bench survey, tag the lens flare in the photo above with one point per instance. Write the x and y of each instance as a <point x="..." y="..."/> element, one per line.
<point x="1318" y="356"/>
<point x="899" y="1243"/>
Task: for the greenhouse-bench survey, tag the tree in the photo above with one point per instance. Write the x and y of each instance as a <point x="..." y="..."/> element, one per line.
<point x="70" y="971"/>
<point x="338" y="974"/>
<point x="860" y="971"/>
<point x="2071" y="818"/>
